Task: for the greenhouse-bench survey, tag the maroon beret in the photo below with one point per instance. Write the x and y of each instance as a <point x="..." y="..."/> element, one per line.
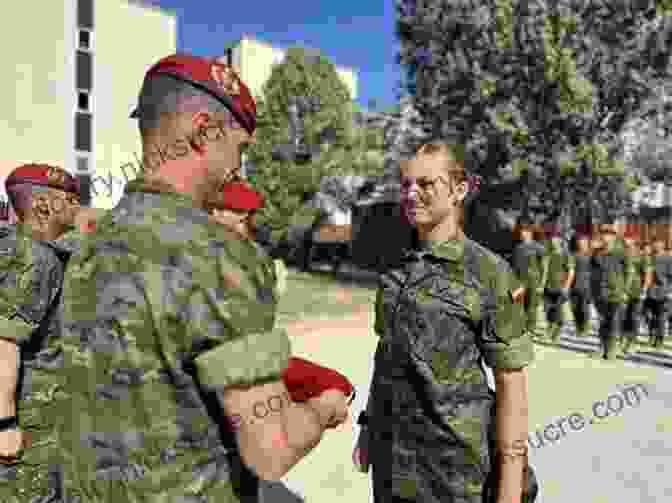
<point x="215" y="78"/>
<point x="239" y="196"/>
<point x="44" y="175"/>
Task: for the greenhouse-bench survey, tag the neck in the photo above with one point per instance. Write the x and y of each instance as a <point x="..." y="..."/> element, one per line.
<point x="447" y="230"/>
<point x="44" y="232"/>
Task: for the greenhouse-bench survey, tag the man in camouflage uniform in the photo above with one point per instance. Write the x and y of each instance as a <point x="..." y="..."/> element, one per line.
<point x="638" y="282"/>
<point x="445" y="316"/>
<point x="559" y="276"/>
<point x="34" y="253"/>
<point x="582" y="298"/>
<point x="527" y="264"/>
<point x="168" y="334"/>
<point x="661" y="293"/>
<point x="611" y="268"/>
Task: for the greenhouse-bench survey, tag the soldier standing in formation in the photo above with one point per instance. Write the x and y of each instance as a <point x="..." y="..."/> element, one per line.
<point x="661" y="293"/>
<point x="167" y="329"/>
<point x="638" y="282"/>
<point x="582" y="298"/>
<point x="609" y="287"/>
<point x="559" y="276"/>
<point x="434" y="428"/>
<point x="35" y="251"/>
<point x="527" y="264"/>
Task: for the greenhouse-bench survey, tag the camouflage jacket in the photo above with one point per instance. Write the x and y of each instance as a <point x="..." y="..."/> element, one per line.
<point x="444" y="315"/>
<point x="640" y="265"/>
<point x="611" y="268"/>
<point x="527" y="263"/>
<point x="160" y="315"/>
<point x="559" y="265"/>
<point x="662" y="283"/>
<point x="32" y="275"/>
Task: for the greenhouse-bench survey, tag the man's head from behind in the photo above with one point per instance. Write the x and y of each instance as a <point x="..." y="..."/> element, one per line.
<point x="194" y="116"/>
<point x="45" y="197"/>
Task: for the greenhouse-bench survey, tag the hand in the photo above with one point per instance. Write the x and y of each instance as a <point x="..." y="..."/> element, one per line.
<point x="11" y="442"/>
<point x="518" y="295"/>
<point x="332" y="407"/>
<point x="360" y="454"/>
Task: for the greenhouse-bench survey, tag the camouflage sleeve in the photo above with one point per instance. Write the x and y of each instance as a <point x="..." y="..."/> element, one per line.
<point x="571" y="263"/>
<point x="647" y="264"/>
<point x="378" y="323"/>
<point x="233" y="316"/>
<point x="504" y="341"/>
<point x="30" y="281"/>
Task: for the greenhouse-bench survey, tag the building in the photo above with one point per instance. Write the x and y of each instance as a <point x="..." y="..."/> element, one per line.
<point x="254" y="61"/>
<point x="75" y="83"/>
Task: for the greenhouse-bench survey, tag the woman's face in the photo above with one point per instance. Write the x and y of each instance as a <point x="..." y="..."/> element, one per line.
<point x="428" y="192"/>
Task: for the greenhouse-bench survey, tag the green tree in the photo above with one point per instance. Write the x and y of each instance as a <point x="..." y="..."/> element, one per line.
<point x="347" y="150"/>
<point x="540" y="91"/>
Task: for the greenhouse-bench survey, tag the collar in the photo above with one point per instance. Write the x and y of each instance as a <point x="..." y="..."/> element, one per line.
<point x="141" y="185"/>
<point x="451" y="250"/>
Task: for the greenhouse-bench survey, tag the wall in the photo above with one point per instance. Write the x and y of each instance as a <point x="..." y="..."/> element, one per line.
<point x="128" y="39"/>
<point x="37" y="79"/>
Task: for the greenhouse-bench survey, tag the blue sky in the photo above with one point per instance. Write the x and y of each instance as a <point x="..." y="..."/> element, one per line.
<point x="355" y="33"/>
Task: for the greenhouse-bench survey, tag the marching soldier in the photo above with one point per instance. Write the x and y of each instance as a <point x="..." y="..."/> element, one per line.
<point x="559" y="277"/>
<point x="610" y="269"/>
<point x="527" y="264"/>
<point x="638" y="282"/>
<point x="661" y="292"/>
<point x="582" y="298"/>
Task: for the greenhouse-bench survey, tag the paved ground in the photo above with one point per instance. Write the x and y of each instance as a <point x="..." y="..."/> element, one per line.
<point x="619" y="458"/>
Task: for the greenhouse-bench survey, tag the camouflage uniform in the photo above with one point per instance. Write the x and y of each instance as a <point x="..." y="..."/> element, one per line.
<point x="160" y="316"/>
<point x="30" y="314"/>
<point x="640" y="265"/>
<point x="556" y="299"/>
<point x="442" y="314"/>
<point x="661" y="298"/>
<point x="611" y="268"/>
<point x="581" y="293"/>
<point x="527" y="263"/>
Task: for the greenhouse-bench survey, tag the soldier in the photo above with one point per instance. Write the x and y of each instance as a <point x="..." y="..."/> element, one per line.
<point x="446" y="316"/>
<point x="527" y="264"/>
<point x="638" y="282"/>
<point x="647" y="310"/>
<point x="168" y="333"/>
<point x="46" y="201"/>
<point x="559" y="278"/>
<point x="610" y="268"/>
<point x="661" y="292"/>
<point x="236" y="209"/>
<point x="581" y="294"/>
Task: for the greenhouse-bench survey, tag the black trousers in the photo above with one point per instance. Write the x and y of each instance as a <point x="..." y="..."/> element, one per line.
<point x="581" y="300"/>
<point x="612" y="315"/>
<point x="633" y="316"/>
<point x="662" y="310"/>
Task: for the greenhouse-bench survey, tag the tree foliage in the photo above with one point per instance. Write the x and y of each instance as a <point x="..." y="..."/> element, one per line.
<point x="285" y="183"/>
<point x="540" y="91"/>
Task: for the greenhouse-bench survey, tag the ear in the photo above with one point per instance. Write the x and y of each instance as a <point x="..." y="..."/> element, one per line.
<point x="199" y="124"/>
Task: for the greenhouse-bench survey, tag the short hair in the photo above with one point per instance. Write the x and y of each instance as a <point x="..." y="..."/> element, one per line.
<point x="454" y="154"/>
<point x="164" y="96"/>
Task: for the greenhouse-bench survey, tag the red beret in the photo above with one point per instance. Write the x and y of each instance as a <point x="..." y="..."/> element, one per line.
<point x="213" y="77"/>
<point x="44" y="175"/>
<point x="240" y="196"/>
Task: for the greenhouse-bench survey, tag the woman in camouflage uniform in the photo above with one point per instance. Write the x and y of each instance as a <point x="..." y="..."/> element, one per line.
<point x="447" y="314"/>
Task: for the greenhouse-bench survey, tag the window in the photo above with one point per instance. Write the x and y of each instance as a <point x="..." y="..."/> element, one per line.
<point x="84" y="189"/>
<point x="82" y="165"/>
<point x="83" y="132"/>
<point x="83" y="101"/>
<point x="84" y="69"/>
<point x="85" y="14"/>
<point x="84" y="41"/>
